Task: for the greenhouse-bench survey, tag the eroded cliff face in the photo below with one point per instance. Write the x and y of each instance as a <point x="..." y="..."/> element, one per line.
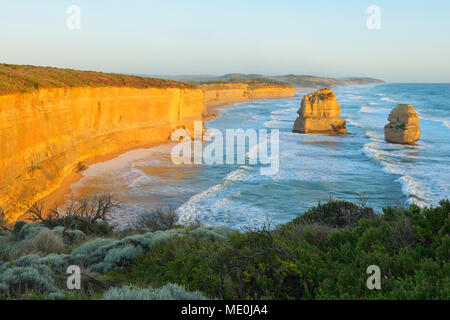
<point x="46" y="134"/>
<point x="235" y="92"/>
<point x="319" y="113"/>
<point x="403" y="126"/>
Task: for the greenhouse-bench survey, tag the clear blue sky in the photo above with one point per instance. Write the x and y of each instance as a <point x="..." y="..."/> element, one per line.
<point x="320" y="37"/>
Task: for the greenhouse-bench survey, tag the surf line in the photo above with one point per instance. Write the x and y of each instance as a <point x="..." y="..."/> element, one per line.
<point x="183" y="152"/>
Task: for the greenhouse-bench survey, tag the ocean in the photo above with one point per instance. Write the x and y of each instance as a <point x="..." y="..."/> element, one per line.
<point x="312" y="167"/>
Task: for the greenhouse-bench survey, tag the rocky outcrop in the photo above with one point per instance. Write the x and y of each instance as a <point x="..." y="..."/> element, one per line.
<point x="403" y="126"/>
<point x="319" y="113"/>
<point x="179" y="135"/>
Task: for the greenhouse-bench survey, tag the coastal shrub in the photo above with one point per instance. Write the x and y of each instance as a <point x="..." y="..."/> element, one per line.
<point x="213" y="234"/>
<point x="91" y="216"/>
<point x="31" y="276"/>
<point x="69" y="236"/>
<point x="17" y="281"/>
<point x="336" y="214"/>
<point x="315" y="256"/>
<point x="83" y="253"/>
<point x="155" y="220"/>
<point x="315" y="234"/>
<point x="3" y="223"/>
<point x="18" y="226"/>
<point x="167" y="292"/>
<point x="105" y="255"/>
<point x="118" y="258"/>
<point x="9" y="249"/>
<point x="46" y="242"/>
<point x="30" y="230"/>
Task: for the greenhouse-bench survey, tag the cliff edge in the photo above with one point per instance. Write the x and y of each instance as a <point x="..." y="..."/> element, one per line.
<point x="52" y="120"/>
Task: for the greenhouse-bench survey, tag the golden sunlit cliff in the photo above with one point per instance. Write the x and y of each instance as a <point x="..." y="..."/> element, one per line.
<point x="216" y="94"/>
<point x="47" y="132"/>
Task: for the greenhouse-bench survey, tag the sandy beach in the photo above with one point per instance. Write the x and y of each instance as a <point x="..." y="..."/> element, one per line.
<point x="62" y="196"/>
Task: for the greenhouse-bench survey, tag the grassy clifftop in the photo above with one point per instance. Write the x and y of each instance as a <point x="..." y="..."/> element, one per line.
<point x="21" y="78"/>
<point x="253" y="83"/>
<point x="27" y="78"/>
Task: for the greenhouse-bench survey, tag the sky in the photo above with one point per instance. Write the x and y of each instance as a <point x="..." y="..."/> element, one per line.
<point x="173" y="37"/>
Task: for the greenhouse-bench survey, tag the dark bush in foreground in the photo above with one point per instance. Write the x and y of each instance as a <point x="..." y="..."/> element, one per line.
<point x="155" y="220"/>
<point x="326" y="259"/>
<point x="336" y="214"/>
<point x="90" y="216"/>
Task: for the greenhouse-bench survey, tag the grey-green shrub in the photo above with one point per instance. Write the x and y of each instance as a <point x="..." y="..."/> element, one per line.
<point x="70" y="236"/>
<point x="118" y="259"/>
<point x="46" y="242"/>
<point x="34" y="274"/>
<point x="16" y="281"/>
<point x="18" y="226"/>
<point x="104" y="255"/>
<point x="168" y="292"/>
<point x="213" y="234"/>
<point x="30" y="230"/>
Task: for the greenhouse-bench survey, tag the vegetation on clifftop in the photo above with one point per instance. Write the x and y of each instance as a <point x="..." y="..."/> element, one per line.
<point x="22" y="78"/>
<point x="252" y="83"/>
<point x="322" y="254"/>
<point x="25" y="78"/>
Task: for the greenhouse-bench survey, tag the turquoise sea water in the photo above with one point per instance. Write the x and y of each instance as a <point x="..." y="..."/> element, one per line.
<point x="312" y="168"/>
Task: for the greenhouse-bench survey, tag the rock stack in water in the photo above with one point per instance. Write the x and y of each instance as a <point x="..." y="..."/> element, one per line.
<point x="403" y="126"/>
<point x="319" y="113"/>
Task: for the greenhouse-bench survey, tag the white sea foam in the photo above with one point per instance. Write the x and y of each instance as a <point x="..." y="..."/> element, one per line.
<point x="142" y="179"/>
<point x="445" y="122"/>
<point x="190" y="210"/>
<point x="353" y="122"/>
<point x="411" y="187"/>
<point x="387" y="99"/>
<point x="277" y="124"/>
<point x="366" y="109"/>
<point x="284" y="111"/>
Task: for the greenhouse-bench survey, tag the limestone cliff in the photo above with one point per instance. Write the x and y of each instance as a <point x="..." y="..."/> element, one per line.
<point x="45" y="134"/>
<point x="216" y="94"/>
<point x="319" y="113"/>
<point x="403" y="126"/>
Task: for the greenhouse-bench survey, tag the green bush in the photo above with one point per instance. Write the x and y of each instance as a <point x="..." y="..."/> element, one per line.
<point x="336" y="214"/>
<point x="18" y="226"/>
<point x="323" y="254"/>
<point x="155" y="220"/>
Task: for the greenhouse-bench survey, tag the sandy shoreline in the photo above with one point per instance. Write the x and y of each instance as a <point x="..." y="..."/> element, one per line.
<point x="59" y="196"/>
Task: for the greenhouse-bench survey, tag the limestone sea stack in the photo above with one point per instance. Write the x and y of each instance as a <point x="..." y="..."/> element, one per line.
<point x="319" y="113"/>
<point x="403" y="126"/>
